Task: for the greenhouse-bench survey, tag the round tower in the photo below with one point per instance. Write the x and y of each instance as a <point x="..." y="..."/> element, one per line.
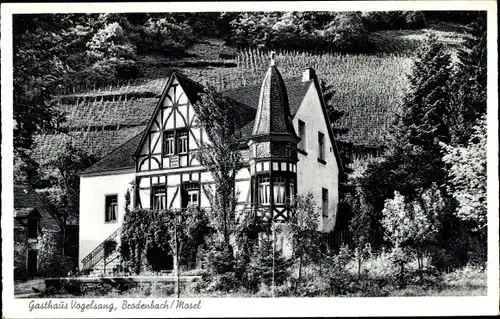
<point x="273" y="150"/>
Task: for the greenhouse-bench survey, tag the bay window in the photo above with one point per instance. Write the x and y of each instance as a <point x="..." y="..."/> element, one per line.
<point x="291" y="190"/>
<point x="282" y="186"/>
<point x="264" y="191"/>
<point x="279" y="183"/>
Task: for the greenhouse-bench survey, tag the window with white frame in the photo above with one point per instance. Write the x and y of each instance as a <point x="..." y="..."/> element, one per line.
<point x="279" y="184"/>
<point x="182" y="142"/>
<point x="169" y="143"/>
<point x="324" y="198"/>
<point x="302" y="135"/>
<point x="111" y="208"/>
<point x="321" y="146"/>
<point x="264" y="190"/>
<point x="190" y="195"/>
<point x="175" y="142"/>
<point x="291" y="190"/>
<point x="159" y="197"/>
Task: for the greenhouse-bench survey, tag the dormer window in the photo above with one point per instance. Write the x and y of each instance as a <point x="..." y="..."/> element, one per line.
<point x="175" y="142"/>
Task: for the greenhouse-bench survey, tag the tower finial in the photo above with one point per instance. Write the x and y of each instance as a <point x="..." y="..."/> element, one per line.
<point x="273" y="54"/>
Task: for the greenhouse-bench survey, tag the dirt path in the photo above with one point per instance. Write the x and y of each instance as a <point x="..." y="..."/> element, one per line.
<point x="25" y="289"/>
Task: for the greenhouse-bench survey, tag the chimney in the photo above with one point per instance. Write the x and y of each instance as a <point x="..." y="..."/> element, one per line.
<point x="308" y="74"/>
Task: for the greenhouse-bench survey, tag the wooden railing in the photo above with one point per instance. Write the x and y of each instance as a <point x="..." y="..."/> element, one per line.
<point x="99" y="252"/>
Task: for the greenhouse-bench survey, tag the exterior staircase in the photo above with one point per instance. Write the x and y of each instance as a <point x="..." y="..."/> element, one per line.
<point x="104" y="259"/>
<point x="106" y="266"/>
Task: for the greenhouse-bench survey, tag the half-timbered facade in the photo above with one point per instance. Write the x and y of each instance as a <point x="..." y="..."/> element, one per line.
<point x="287" y="148"/>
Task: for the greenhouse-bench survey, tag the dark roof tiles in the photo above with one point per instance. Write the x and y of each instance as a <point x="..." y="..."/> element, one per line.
<point x="246" y="100"/>
<point x="120" y="158"/>
<point x="249" y="95"/>
<point x="27" y="203"/>
<point x="273" y="110"/>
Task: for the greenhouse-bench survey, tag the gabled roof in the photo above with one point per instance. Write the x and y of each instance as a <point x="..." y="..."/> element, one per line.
<point x="119" y="159"/>
<point x="27" y="203"/>
<point x="246" y="102"/>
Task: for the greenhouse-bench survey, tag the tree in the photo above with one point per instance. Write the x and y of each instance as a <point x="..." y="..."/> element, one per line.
<point x="39" y="71"/>
<point x="412" y="226"/>
<point x="167" y="36"/>
<point x="470" y="82"/>
<point x="413" y="161"/>
<point x="112" y="54"/>
<point x="468" y="177"/>
<point x="303" y="229"/>
<point x="360" y="224"/>
<point x="60" y="185"/>
<point x="268" y="264"/>
<point x="220" y="155"/>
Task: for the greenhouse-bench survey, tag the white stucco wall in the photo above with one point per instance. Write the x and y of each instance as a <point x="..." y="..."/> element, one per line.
<point x="312" y="175"/>
<point x="93" y="228"/>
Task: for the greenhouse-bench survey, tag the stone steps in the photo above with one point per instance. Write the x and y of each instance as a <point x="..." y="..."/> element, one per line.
<point x="102" y="269"/>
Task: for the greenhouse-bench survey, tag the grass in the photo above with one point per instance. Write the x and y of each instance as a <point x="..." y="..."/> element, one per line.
<point x="379" y="278"/>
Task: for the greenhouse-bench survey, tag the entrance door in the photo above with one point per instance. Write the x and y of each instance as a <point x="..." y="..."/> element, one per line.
<point x="32" y="262"/>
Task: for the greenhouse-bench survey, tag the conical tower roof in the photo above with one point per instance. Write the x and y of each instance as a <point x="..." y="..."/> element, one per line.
<point x="273" y="112"/>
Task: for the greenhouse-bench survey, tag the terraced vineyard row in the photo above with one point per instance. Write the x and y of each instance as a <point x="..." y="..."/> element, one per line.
<point x="367" y="88"/>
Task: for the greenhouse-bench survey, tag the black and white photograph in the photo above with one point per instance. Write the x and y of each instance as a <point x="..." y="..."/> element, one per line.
<point x="163" y="160"/>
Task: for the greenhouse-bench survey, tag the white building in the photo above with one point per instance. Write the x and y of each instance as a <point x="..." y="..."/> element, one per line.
<point x="287" y="148"/>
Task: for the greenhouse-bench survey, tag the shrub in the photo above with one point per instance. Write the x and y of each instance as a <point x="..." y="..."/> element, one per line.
<point x="166" y="36"/>
<point x="220" y="263"/>
<point x="51" y="262"/>
<point x="346" y="33"/>
<point x="112" y="55"/>
<point x="415" y="19"/>
<point x="20" y="274"/>
<point x="340" y="280"/>
<point x="260" y="269"/>
<point x="339" y="32"/>
<point x="314" y="287"/>
<point x="469" y="276"/>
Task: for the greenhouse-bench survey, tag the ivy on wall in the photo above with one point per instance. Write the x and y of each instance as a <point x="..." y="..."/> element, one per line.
<point x="148" y="237"/>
